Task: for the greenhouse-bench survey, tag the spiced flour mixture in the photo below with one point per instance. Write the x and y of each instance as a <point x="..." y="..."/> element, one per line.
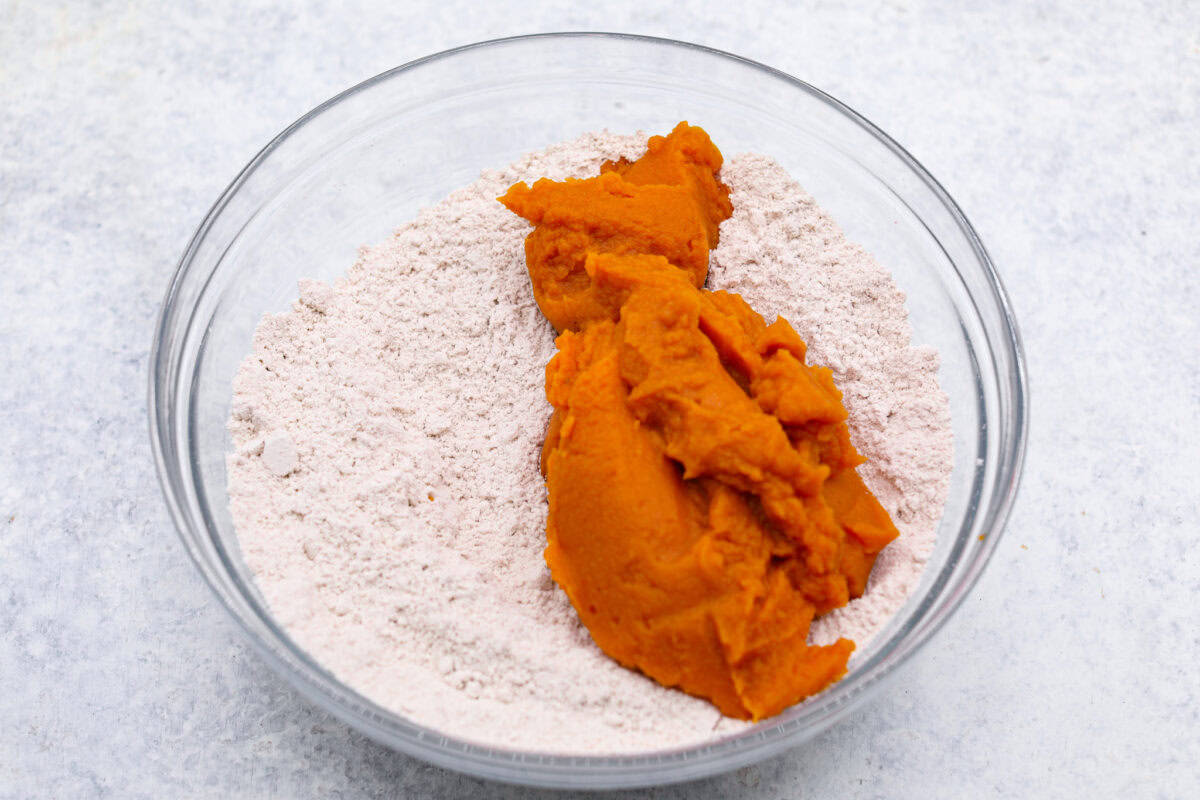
<point x="385" y="482"/>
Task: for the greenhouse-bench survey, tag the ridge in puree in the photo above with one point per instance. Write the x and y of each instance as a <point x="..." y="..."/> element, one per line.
<point x="384" y="478"/>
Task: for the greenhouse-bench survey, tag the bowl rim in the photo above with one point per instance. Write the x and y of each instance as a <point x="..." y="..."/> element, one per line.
<point x="598" y="771"/>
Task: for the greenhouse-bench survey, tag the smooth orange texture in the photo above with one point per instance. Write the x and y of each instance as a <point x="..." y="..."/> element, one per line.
<point x="668" y="203"/>
<point x="704" y="506"/>
<point x="686" y="158"/>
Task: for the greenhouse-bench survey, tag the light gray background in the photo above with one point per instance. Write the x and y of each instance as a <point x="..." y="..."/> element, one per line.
<point x="1069" y="134"/>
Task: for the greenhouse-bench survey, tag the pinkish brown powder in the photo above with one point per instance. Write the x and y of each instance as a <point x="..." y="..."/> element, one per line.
<point x="419" y="376"/>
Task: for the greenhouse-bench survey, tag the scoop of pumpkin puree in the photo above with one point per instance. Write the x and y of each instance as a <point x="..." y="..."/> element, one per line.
<point x="703" y="501"/>
<point x="704" y="506"/>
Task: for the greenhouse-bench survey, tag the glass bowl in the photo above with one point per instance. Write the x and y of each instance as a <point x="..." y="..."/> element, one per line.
<point x="360" y="164"/>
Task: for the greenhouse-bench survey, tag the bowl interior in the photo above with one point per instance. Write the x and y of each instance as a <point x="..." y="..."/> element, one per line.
<point x="358" y="166"/>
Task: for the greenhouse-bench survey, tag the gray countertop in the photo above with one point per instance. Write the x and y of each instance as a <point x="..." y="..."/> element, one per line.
<point x="1071" y="138"/>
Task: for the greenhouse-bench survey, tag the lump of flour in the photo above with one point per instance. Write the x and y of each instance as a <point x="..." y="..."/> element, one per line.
<point x="279" y="453"/>
<point x="384" y="479"/>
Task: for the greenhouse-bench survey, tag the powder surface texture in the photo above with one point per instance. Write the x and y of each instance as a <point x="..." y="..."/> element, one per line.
<point x="384" y="480"/>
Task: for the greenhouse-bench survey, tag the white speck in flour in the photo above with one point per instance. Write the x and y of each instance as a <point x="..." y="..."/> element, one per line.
<point x="279" y="453"/>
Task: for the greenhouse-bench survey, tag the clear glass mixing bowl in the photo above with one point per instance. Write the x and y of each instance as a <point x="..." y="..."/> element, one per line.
<point x="355" y="167"/>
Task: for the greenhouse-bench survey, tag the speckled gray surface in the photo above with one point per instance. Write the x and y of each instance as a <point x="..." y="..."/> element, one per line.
<point x="1070" y="137"/>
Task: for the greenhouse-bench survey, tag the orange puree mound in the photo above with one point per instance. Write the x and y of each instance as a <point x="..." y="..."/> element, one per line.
<point x="689" y="526"/>
<point x="704" y="504"/>
<point x="670" y="207"/>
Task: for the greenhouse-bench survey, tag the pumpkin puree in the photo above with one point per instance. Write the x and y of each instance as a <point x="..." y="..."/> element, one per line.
<point x="704" y="504"/>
